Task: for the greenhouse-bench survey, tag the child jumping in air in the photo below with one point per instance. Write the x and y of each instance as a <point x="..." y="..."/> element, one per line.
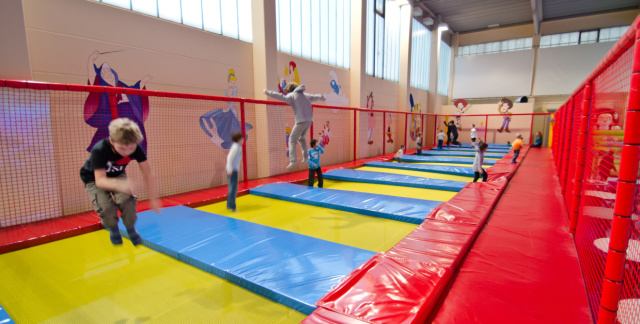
<point x="301" y="104"/>
<point x="474" y="135"/>
<point x="233" y="166"/>
<point x="399" y="154"/>
<point x="314" y="162"/>
<point x="517" y="145"/>
<point x="440" y="139"/>
<point x="477" y="163"/>
<point x="105" y="179"/>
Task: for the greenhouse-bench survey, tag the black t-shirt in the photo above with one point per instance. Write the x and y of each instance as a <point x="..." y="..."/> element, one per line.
<point x="104" y="157"/>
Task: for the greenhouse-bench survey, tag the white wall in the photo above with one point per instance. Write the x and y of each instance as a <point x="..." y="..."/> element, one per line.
<point x="559" y="70"/>
<point x="13" y="42"/>
<point x="62" y="34"/>
<point x="493" y="75"/>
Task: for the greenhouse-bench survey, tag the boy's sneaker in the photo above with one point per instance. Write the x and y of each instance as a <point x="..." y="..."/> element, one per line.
<point x="114" y="235"/>
<point x="134" y="236"/>
<point x="291" y="165"/>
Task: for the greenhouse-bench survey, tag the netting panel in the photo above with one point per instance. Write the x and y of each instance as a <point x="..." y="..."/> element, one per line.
<point x="599" y="186"/>
<point x="573" y="149"/>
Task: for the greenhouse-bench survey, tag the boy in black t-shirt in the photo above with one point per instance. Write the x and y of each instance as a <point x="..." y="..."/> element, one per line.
<point x="105" y="179"/>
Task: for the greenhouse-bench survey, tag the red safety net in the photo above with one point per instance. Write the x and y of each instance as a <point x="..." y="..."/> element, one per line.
<point x="594" y="191"/>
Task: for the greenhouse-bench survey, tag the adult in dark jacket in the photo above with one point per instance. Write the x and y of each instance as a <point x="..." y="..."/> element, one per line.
<point x="452" y="133"/>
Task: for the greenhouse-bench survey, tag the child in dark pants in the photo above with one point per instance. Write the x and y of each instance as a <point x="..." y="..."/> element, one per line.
<point x="477" y="163"/>
<point x="399" y="154"/>
<point x="233" y="166"/>
<point x="314" y="162"/>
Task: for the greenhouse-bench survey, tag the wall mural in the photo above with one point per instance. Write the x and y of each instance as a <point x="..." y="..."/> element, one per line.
<point x="504" y="106"/>
<point x="325" y="134"/>
<point x="371" y="118"/>
<point x="416" y="120"/>
<point x="290" y="74"/>
<point x="335" y="97"/>
<point x="97" y="107"/>
<point x="461" y="106"/>
<point x="219" y="124"/>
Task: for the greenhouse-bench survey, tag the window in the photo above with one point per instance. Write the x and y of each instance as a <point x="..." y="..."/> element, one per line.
<point x="496" y="47"/>
<point x="230" y="18"/>
<point x="383" y="39"/>
<point x="612" y="34"/>
<point x="319" y="30"/>
<point x="444" y="69"/>
<point x="590" y="36"/>
<point x="420" y="55"/>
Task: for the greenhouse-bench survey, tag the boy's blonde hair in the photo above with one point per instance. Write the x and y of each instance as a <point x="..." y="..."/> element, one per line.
<point x="519" y="136"/>
<point x="125" y="131"/>
<point x="290" y="87"/>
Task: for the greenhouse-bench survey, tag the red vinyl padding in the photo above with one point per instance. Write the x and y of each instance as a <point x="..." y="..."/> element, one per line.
<point x="524" y="266"/>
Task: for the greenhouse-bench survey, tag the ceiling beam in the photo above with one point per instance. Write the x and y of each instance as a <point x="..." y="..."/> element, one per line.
<point x="426" y="9"/>
<point x="536" y="10"/>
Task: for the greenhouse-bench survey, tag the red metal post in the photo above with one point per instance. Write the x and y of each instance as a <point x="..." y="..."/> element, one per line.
<point x="580" y="159"/>
<point x="435" y="130"/>
<point x="113" y="101"/>
<point x="311" y="128"/>
<point x="355" y="131"/>
<point x="566" y="148"/>
<point x="406" y="118"/>
<point x="384" y="125"/>
<point x="531" y="130"/>
<point x="624" y="203"/>
<point x="486" y="127"/>
<point x="244" y="143"/>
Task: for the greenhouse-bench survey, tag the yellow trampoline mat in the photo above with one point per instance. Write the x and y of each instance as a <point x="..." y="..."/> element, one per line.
<point x="389" y="190"/>
<point x="365" y="232"/>
<point x="85" y="279"/>
<point x="418" y="174"/>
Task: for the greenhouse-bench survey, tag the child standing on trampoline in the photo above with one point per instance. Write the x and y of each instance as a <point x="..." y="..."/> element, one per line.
<point x="105" y="179"/>
<point x="314" y="162"/>
<point x="517" y="146"/>
<point x="479" y="160"/>
<point x="233" y="166"/>
<point x="399" y="154"/>
<point x="301" y="104"/>
<point x="440" y="139"/>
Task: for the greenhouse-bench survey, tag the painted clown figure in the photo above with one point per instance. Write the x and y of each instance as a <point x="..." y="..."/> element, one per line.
<point x="97" y="107"/>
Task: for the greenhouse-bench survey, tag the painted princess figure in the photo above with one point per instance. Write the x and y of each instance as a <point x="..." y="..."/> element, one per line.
<point x="219" y="124"/>
<point x="97" y="107"/>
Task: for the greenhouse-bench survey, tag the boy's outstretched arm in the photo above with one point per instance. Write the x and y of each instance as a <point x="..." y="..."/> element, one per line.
<point x="111" y="184"/>
<point x="278" y="96"/>
<point x="314" y="97"/>
<point x="150" y="182"/>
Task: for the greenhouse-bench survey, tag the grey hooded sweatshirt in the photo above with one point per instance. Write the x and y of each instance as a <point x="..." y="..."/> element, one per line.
<point x="300" y="102"/>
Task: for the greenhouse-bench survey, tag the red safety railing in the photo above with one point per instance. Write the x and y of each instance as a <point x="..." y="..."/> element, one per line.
<point x="596" y="148"/>
<point x="48" y="130"/>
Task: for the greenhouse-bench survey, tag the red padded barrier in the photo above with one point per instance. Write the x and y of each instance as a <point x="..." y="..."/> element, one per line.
<point x="378" y="291"/>
<point x="324" y="316"/>
<point x="524" y="266"/>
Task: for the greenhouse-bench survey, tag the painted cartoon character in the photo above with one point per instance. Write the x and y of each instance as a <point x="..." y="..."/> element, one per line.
<point x="335" y="97"/>
<point x="461" y="107"/>
<point x="287" y="132"/>
<point x="325" y="134"/>
<point x="371" y="119"/>
<point x="608" y="137"/>
<point x="97" y="107"/>
<point x="504" y="106"/>
<point x="290" y="69"/>
<point x="389" y="139"/>
<point x="415" y="119"/>
<point x="219" y="124"/>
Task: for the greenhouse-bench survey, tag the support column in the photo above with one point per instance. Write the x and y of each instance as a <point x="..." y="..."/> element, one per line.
<point x="14" y="49"/>
<point x="434" y="61"/>
<point x="264" y="72"/>
<point x="358" y="65"/>
<point x="405" y="61"/>
<point x="624" y="203"/>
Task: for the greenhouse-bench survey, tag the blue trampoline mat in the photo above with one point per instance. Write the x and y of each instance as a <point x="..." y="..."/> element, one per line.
<point x="439" y="159"/>
<point x="292" y="269"/>
<point x="460" y="154"/>
<point x="489" y="150"/>
<point x="402" y="209"/>
<point x="4" y="317"/>
<point x="443" y="169"/>
<point x="393" y="179"/>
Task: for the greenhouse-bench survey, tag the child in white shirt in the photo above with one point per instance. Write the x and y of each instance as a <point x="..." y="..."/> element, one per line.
<point x="474" y="135"/>
<point x="399" y="154"/>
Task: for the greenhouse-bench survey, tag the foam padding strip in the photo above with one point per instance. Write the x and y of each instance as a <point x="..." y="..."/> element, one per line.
<point x="495" y="145"/>
<point x="4" y="317"/>
<point x="378" y="291"/>
<point x="402" y="209"/>
<point x="326" y="316"/>
<point x="422" y="174"/>
<point x="439" y="159"/>
<point x="292" y="269"/>
<point x="452" y="170"/>
<point x="457" y="149"/>
<point x="393" y="179"/>
<point x="461" y="154"/>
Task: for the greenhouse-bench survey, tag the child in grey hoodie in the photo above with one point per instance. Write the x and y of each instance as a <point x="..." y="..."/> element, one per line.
<point x="301" y="104"/>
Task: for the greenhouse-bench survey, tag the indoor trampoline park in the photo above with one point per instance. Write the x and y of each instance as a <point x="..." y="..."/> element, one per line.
<point x="319" y="161"/>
